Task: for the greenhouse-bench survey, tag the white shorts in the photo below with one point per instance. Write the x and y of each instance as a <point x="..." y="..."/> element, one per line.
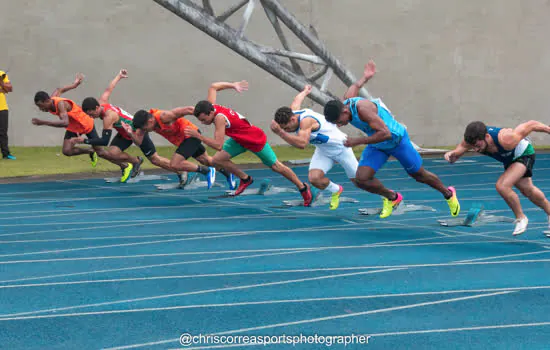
<point x="324" y="162"/>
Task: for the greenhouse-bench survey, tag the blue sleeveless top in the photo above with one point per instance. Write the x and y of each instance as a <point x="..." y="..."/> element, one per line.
<point x="396" y="129"/>
<point x="507" y="157"/>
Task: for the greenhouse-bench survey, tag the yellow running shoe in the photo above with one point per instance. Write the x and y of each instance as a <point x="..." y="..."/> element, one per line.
<point x="335" y="199"/>
<point x="389" y="206"/>
<point x="126" y="172"/>
<point x="454" y="205"/>
<point x="93" y="158"/>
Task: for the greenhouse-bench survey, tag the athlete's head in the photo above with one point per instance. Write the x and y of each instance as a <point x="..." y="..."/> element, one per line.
<point x="475" y="136"/>
<point x="91" y="107"/>
<point x="204" y="111"/>
<point x="336" y="113"/>
<point x="286" y="119"/>
<point x="144" y="120"/>
<point x="43" y="101"/>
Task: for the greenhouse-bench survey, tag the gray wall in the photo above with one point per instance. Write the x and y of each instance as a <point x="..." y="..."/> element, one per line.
<point x="441" y="63"/>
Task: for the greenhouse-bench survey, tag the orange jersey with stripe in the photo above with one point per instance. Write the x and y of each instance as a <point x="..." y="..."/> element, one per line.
<point x="79" y="122"/>
<point x="173" y="132"/>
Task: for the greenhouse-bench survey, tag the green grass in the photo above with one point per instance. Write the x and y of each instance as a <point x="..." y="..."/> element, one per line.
<point x="35" y="161"/>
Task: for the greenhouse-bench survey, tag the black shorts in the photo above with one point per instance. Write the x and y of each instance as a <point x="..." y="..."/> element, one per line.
<point x="91" y="135"/>
<point x="528" y="161"/>
<point x="147" y="145"/>
<point x="121" y="143"/>
<point x="191" y="147"/>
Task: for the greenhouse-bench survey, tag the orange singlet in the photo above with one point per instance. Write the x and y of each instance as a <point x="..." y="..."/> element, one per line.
<point x="173" y="132"/>
<point x="79" y="122"/>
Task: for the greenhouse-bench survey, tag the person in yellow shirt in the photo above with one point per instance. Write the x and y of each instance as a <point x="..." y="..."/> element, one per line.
<point x="5" y="88"/>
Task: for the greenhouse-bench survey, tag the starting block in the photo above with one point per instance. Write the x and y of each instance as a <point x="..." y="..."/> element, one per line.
<point x="400" y="210"/>
<point x="476" y="216"/>
<point x="265" y="189"/>
<point x="140" y="177"/>
<point x="193" y="182"/>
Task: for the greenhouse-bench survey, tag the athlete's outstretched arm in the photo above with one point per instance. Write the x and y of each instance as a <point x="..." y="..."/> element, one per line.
<point x="59" y="91"/>
<point x="107" y="93"/>
<point x="63" y="116"/>
<point x="368" y="113"/>
<point x="368" y="73"/>
<point x="168" y="117"/>
<point x="454" y="155"/>
<point x="301" y="140"/>
<point x="238" y="86"/>
<point x="297" y="103"/>
<point x="510" y="138"/>
<point x="219" y="134"/>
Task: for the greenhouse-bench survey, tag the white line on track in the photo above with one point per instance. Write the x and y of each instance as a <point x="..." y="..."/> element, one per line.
<point x="321" y="319"/>
<point x="165" y="296"/>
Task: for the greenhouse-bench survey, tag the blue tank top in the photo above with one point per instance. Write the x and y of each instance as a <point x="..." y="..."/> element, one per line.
<point x="396" y="129"/>
<point x="507" y="157"/>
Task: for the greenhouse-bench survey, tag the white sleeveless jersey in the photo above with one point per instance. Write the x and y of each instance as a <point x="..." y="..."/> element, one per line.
<point x="328" y="137"/>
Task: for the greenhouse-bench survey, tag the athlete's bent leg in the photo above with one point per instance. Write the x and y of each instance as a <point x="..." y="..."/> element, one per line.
<point x="504" y="185"/>
<point x="117" y="154"/>
<point x="222" y="159"/>
<point x="365" y="180"/>
<point x="179" y="163"/>
<point x="430" y="179"/>
<point x="318" y="179"/>
<point x="411" y="161"/>
<point x="70" y="150"/>
<point x="102" y="153"/>
<point x="161" y="162"/>
<point x="534" y="194"/>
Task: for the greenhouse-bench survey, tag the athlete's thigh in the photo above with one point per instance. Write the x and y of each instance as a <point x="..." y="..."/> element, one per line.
<point x="267" y="156"/>
<point x="373" y="158"/>
<point x="525" y="184"/>
<point x="190" y="147"/>
<point x="92" y="134"/>
<point x="512" y="175"/>
<point x="177" y="159"/>
<point x="120" y="143"/>
<point x="408" y="156"/>
<point x="320" y="161"/>
<point x="349" y="162"/>
<point x="232" y="148"/>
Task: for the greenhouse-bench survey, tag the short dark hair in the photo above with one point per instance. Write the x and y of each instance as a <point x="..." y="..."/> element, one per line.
<point x="332" y="111"/>
<point x="89" y="104"/>
<point x="283" y="115"/>
<point x="203" y="107"/>
<point x="41" y="96"/>
<point x="140" y="118"/>
<point x="475" y="131"/>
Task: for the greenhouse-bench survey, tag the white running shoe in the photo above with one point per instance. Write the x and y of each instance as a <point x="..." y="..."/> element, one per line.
<point x="521" y="226"/>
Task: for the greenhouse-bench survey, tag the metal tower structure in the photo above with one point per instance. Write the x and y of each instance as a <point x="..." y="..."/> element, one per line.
<point x="281" y="63"/>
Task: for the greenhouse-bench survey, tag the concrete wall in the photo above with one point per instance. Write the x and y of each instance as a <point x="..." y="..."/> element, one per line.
<point x="441" y="63"/>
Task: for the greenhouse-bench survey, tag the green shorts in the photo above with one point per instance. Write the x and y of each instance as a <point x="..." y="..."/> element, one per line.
<point x="266" y="155"/>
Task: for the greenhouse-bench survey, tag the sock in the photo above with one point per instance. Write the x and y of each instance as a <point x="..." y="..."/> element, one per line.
<point x="248" y="178"/>
<point x="394" y="196"/>
<point x="203" y="169"/>
<point x="448" y="196"/>
<point x="302" y="190"/>
<point x="332" y="187"/>
<point x="224" y="172"/>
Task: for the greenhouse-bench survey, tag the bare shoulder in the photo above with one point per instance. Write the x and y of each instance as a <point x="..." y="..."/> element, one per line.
<point x="507" y="137"/>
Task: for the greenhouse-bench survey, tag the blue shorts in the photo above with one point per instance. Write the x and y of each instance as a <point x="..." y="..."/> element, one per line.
<point x="404" y="152"/>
